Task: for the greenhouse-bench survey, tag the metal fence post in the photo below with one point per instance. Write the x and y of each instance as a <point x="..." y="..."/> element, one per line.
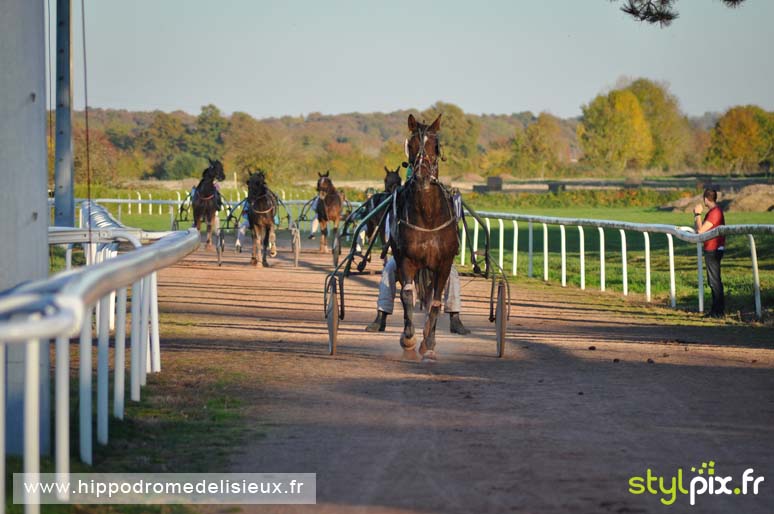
<point x="463" y="241"/>
<point x="564" y="255"/>
<point x="103" y="336"/>
<point x="582" y="250"/>
<point x="672" y="297"/>
<point x="531" y="238"/>
<point x="545" y="252"/>
<point x="32" y="419"/>
<point x="502" y="240"/>
<point x="601" y="258"/>
<point x="134" y="354"/>
<point x="475" y="236"/>
<point x="139" y="203"/>
<point x="624" y="267"/>
<point x="84" y="405"/>
<point x="154" y="317"/>
<point x="62" y="416"/>
<point x="647" y="265"/>
<point x="120" y="355"/>
<point x="515" y="247"/>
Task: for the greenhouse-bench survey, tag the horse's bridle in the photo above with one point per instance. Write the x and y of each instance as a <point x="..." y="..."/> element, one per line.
<point x="421" y="158"/>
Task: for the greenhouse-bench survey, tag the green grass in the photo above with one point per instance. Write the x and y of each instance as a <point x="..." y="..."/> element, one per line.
<point x="190" y="419"/>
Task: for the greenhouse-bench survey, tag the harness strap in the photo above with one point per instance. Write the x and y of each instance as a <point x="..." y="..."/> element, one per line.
<point x="422" y="229"/>
<point x="207" y="197"/>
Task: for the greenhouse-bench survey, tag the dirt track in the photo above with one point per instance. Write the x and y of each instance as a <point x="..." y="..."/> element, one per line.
<point x="553" y="427"/>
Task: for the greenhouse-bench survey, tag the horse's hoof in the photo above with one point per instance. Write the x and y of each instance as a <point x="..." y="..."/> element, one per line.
<point x="429" y="356"/>
<point x="208" y="246"/>
<point x="407" y="343"/>
<point x="422" y="348"/>
<point x="254" y="261"/>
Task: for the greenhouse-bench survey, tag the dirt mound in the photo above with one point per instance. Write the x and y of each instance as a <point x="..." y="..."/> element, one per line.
<point x="755" y="198"/>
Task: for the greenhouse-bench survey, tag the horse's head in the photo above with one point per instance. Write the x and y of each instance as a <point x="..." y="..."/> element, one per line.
<point x="324" y="184"/>
<point x="422" y="147"/>
<point x="256" y="184"/>
<point x="392" y="179"/>
<point x="215" y="171"/>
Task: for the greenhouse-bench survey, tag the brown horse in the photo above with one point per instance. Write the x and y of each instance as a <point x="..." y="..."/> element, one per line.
<point x="423" y="233"/>
<point x="261" y="208"/>
<point x="329" y="207"/>
<point x="206" y="199"/>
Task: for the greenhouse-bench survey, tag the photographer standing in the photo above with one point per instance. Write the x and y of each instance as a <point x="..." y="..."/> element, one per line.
<point x="713" y="248"/>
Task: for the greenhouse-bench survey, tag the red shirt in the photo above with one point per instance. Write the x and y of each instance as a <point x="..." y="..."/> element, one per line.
<point x="715" y="216"/>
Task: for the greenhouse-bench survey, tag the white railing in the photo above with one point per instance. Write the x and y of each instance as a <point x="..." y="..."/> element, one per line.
<point x="682" y="233"/>
<point x="62" y="306"/>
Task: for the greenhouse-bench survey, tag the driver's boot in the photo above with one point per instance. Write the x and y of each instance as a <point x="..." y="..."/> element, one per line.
<point x="455" y="324"/>
<point x="379" y="324"/>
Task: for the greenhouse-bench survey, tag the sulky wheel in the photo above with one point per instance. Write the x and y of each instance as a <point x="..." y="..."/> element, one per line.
<point x="332" y="315"/>
<point x="500" y="321"/>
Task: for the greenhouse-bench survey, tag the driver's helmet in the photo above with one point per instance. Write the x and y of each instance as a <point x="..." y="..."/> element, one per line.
<point x="370" y="192"/>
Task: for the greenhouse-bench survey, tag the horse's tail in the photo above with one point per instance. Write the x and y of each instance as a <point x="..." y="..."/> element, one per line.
<point x="424" y="287"/>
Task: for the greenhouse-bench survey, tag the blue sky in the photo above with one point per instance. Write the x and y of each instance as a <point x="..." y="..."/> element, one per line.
<point x="274" y="58"/>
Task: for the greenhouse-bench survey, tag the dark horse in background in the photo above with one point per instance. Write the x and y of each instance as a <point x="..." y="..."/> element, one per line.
<point x="206" y="200"/>
<point x="329" y="207"/>
<point x="261" y="208"/>
<point x="423" y="234"/>
<point x="392" y="181"/>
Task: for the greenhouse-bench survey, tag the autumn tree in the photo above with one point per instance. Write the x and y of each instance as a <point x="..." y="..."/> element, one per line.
<point x="669" y="128"/>
<point x="206" y="138"/>
<point x="738" y="141"/>
<point x="614" y="133"/>
<point x="541" y="147"/>
<point x="249" y="145"/>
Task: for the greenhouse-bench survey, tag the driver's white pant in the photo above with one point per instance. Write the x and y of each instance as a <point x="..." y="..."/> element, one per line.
<point x="244" y="226"/>
<point x="315" y="221"/>
<point x="387" y="289"/>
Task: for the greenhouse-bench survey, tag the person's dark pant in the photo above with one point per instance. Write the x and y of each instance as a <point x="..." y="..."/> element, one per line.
<point x="712" y="261"/>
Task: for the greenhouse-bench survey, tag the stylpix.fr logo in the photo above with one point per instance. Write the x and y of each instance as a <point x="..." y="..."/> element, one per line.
<point x="703" y="481"/>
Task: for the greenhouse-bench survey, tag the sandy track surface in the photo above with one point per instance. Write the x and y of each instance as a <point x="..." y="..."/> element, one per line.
<point x="553" y="427"/>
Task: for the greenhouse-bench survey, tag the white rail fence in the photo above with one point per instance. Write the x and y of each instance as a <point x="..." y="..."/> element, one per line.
<point x="62" y="307"/>
<point x="681" y="233"/>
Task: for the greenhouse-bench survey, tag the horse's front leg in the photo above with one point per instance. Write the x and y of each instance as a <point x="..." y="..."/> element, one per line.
<point x="323" y="237"/>
<point x="256" y="255"/>
<point x="265" y="243"/>
<point x="406" y="274"/>
<point x="427" y="348"/>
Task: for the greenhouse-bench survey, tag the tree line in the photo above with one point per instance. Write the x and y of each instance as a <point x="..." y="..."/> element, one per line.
<point x="636" y="126"/>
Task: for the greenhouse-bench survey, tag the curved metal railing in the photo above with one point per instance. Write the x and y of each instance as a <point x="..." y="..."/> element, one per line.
<point x="61" y="307"/>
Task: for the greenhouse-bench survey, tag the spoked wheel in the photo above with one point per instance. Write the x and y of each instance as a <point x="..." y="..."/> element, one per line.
<point x="336" y="250"/>
<point x="500" y="321"/>
<point x="332" y="315"/>
<point x="296" y="243"/>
